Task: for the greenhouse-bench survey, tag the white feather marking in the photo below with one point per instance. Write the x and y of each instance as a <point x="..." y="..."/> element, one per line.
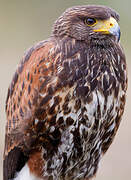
<point x="25" y="174"/>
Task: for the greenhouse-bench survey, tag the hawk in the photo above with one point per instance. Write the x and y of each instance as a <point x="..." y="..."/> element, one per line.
<point x="66" y="99"/>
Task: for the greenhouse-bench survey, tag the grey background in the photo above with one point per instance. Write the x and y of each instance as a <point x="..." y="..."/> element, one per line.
<point x="24" y="22"/>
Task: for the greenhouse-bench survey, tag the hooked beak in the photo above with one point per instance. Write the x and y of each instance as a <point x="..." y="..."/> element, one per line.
<point x="109" y="26"/>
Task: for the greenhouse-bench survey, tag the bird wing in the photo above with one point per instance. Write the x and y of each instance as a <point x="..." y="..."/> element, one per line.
<point x="28" y="94"/>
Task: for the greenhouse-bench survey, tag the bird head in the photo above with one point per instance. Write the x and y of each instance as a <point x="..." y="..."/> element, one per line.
<point x="88" y="22"/>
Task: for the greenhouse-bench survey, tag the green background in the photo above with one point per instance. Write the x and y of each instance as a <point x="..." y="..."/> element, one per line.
<point x="25" y="22"/>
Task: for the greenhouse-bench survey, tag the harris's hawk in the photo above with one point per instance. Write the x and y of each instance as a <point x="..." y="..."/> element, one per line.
<point x="66" y="99"/>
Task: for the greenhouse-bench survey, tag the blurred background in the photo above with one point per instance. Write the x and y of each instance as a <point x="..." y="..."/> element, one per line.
<point x="22" y="23"/>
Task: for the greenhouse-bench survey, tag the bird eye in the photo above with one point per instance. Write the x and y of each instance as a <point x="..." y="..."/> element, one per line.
<point x="90" y="21"/>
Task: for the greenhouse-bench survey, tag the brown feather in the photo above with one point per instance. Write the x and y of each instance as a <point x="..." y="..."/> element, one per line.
<point x="66" y="100"/>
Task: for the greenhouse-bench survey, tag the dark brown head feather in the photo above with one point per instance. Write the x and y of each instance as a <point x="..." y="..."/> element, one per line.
<point x="70" y="23"/>
<point x="93" y="11"/>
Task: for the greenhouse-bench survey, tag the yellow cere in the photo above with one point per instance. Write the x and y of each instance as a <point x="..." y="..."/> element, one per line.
<point x="105" y="25"/>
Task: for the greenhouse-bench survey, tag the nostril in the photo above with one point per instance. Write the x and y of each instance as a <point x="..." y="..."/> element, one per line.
<point x="111" y="24"/>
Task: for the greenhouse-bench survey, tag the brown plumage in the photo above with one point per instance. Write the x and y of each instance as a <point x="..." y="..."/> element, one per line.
<point x="67" y="97"/>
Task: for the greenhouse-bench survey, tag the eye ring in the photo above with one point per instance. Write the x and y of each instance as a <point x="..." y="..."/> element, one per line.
<point x="90" y="21"/>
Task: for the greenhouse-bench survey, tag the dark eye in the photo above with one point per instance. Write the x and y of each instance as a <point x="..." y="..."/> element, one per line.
<point x="90" y="21"/>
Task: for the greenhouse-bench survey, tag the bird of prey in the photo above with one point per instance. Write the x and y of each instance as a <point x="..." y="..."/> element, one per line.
<point x="66" y="99"/>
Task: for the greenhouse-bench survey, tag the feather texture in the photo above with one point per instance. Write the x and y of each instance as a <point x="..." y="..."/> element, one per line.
<point x="65" y="102"/>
